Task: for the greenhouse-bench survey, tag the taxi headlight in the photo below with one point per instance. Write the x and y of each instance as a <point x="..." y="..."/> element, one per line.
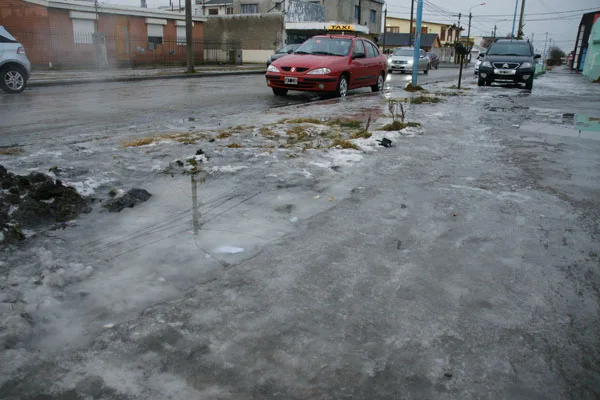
<point x="486" y="64"/>
<point x="319" y="71"/>
<point x="272" y="68"/>
<point x="525" y="65"/>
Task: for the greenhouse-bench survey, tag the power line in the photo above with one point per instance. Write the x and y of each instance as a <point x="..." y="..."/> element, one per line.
<point x="545" y="13"/>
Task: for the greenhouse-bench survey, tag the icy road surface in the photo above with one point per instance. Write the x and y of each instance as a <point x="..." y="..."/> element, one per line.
<point x="461" y="263"/>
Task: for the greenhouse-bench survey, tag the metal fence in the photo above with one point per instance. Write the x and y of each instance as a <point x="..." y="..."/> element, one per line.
<point x="102" y="51"/>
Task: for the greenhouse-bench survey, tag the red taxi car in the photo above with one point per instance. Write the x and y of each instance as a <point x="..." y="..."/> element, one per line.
<point x="329" y="63"/>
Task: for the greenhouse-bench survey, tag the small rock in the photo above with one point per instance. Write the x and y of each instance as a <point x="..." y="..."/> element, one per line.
<point x="385" y="142"/>
<point x="130" y="199"/>
<point x="448" y="374"/>
<point x="402" y="205"/>
<point x="191" y="119"/>
<point x="199" y="152"/>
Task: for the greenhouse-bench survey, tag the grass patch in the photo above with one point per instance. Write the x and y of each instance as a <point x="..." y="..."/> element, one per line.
<point x="398" y="125"/>
<point x="411" y="88"/>
<point x="136" y="142"/>
<point x="234" y="146"/>
<point x="11" y="151"/>
<point x="224" y="135"/>
<point x="303" y="121"/>
<point x="361" y="135"/>
<point x="298" y="132"/>
<point x="425" y="99"/>
<point x="344" y="144"/>
<point x="347" y="123"/>
<point x="268" y="132"/>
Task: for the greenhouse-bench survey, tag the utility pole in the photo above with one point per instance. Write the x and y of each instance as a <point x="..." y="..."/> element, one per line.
<point x="495" y="27"/>
<point x="512" y="32"/>
<point x="384" y="27"/>
<point x="520" y="31"/>
<point x="469" y="30"/>
<point x="189" y="44"/>
<point x="412" y="6"/>
<point x="359" y="10"/>
<point x="545" y="43"/>
<point x="416" y="52"/>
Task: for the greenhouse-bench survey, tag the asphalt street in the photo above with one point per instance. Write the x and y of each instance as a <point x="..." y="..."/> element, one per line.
<point x="43" y="112"/>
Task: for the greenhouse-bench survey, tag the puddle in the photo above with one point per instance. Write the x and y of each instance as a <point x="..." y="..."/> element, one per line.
<point x="573" y="125"/>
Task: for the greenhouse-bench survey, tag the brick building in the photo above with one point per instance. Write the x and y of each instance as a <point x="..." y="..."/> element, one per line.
<point x="79" y="33"/>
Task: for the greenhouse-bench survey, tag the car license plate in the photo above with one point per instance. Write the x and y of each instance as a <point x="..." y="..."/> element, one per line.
<point x="291" y="80"/>
<point x="504" y="71"/>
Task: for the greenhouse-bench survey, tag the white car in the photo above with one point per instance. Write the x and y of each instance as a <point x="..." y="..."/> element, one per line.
<point x="15" y="68"/>
<point x="478" y="62"/>
<point x="402" y="59"/>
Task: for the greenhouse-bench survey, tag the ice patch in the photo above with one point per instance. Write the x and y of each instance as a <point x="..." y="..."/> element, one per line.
<point x="346" y="157"/>
<point x="306" y="174"/>
<point x="156" y="168"/>
<point x="225" y="169"/>
<point x="228" y="250"/>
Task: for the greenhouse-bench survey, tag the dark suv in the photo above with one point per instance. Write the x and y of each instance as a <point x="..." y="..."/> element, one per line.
<point x="508" y="60"/>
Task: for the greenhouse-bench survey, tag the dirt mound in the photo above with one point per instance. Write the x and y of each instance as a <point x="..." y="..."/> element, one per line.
<point x="29" y="201"/>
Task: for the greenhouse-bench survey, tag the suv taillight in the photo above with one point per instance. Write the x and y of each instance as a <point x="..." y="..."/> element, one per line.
<point x="21" y="50"/>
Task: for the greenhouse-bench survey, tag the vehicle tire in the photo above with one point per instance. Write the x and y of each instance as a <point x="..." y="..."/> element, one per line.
<point x="378" y="87"/>
<point x="279" y="91"/>
<point x="480" y="82"/>
<point x="529" y="84"/>
<point x="427" y="68"/>
<point x="13" y="79"/>
<point x="342" y="87"/>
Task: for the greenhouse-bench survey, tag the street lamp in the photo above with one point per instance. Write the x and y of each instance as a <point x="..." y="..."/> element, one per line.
<point x="469" y="30"/>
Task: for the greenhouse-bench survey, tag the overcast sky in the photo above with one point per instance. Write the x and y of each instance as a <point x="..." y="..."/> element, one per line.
<point x="559" y="18"/>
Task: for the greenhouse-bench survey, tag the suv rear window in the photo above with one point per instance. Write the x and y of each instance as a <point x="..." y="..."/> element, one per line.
<point x="510" y="49"/>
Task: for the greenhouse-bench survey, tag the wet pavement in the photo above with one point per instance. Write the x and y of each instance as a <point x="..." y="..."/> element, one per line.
<point x="462" y="262"/>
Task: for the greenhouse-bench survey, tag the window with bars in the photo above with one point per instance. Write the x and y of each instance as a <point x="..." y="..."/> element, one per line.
<point x="181" y="38"/>
<point x="229" y="10"/>
<point x="373" y="16"/>
<point x="249" y="8"/>
<point x="155" y="34"/>
<point x="83" y="31"/>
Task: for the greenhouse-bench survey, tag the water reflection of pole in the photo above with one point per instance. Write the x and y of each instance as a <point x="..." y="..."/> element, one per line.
<point x="195" y="213"/>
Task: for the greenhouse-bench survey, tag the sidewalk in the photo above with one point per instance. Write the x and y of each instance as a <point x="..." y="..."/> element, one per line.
<point x="73" y="77"/>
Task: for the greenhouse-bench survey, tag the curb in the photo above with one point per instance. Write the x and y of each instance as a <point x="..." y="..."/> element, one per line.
<point x="79" y="81"/>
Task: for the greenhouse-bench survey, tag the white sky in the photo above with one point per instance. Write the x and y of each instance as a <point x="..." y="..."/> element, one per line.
<point x="557" y="17"/>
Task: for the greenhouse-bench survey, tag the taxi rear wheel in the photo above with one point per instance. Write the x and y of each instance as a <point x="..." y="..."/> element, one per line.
<point x="342" y="87"/>
<point x="279" y="91"/>
<point x="378" y="87"/>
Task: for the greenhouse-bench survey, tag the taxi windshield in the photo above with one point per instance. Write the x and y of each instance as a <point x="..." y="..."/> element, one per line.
<point x="326" y="46"/>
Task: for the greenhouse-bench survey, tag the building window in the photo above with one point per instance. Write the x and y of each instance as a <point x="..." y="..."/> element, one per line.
<point x="181" y="38"/>
<point x="83" y="31"/>
<point x="373" y="16"/>
<point x="155" y="34"/>
<point x="213" y="11"/>
<point x="424" y="30"/>
<point x="249" y="8"/>
<point x="443" y="33"/>
<point x="229" y="10"/>
<point x="356" y="12"/>
<point x="449" y="35"/>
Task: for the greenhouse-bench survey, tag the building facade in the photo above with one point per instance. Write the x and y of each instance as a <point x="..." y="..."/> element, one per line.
<point x="585" y="40"/>
<point x="78" y="33"/>
<point x="447" y="33"/>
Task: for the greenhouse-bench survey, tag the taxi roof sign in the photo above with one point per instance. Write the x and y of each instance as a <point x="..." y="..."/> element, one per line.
<point x="341" y="28"/>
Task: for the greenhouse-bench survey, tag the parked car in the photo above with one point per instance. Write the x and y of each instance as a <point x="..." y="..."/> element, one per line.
<point x="434" y="60"/>
<point x="508" y="60"/>
<point x="478" y="62"/>
<point x="15" y="68"/>
<point x="332" y="63"/>
<point x="284" y="51"/>
<point x="402" y="60"/>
